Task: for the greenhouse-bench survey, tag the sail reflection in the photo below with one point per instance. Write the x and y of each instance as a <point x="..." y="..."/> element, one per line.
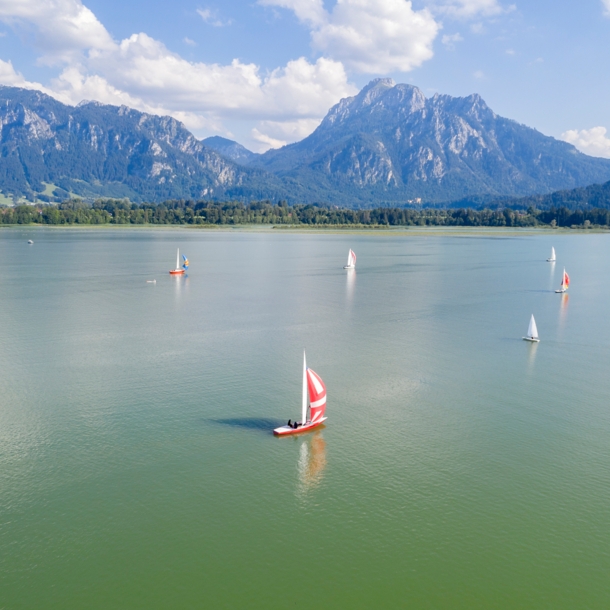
<point x="563" y="310"/>
<point x="312" y="462"/>
<point x="351" y="284"/>
<point x="181" y="283"/>
<point x="531" y="357"/>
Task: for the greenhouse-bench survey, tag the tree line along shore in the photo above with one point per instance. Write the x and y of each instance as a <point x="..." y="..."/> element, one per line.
<point x="212" y="213"/>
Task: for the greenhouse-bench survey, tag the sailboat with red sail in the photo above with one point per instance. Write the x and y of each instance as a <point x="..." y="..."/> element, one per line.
<point x="185" y="265"/>
<point x="351" y="260"/>
<point x="565" y="282"/>
<point x="314" y="386"/>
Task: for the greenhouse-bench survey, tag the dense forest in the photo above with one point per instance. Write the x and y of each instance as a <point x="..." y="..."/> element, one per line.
<point x="210" y="213"/>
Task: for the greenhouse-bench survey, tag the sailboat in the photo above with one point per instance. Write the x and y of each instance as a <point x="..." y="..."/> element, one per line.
<point x="532" y="331"/>
<point x="565" y="282"/>
<point x="178" y="270"/>
<point x="553" y="257"/>
<point x="317" y="404"/>
<point x="351" y="260"/>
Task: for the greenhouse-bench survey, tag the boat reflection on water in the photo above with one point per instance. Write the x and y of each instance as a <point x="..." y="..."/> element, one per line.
<point x="312" y="461"/>
<point x="563" y="309"/>
<point x="351" y="284"/>
<point x="531" y="357"/>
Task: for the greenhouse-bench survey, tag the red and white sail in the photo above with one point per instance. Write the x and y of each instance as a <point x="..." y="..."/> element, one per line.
<point x="351" y="260"/>
<point x="565" y="280"/>
<point x="317" y="396"/>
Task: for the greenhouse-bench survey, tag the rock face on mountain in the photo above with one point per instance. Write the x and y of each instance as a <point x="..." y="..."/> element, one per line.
<point x="387" y="145"/>
<point x="390" y="143"/>
<point x="49" y="150"/>
<point x="231" y="150"/>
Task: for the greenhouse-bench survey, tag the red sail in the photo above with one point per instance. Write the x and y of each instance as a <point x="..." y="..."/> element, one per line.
<point x="317" y="396"/>
<point x="566" y="280"/>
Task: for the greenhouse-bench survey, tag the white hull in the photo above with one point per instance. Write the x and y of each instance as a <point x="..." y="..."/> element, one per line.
<point x="531" y="339"/>
<point x="551" y="260"/>
<point x="349" y="267"/>
<point x="560" y="290"/>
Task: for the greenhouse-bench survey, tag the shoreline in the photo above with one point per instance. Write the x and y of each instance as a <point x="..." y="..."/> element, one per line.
<point x="320" y="229"/>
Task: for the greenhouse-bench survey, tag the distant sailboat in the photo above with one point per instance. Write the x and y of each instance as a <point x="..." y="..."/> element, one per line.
<point x="565" y="282"/>
<point x="532" y="331"/>
<point x="317" y="404"/>
<point x="185" y="266"/>
<point x="553" y="257"/>
<point x="351" y="260"/>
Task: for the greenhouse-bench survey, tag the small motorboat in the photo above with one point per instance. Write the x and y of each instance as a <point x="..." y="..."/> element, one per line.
<point x="317" y="404"/>
<point x="180" y="270"/>
<point x="532" y="332"/>
<point x="30" y="241"/>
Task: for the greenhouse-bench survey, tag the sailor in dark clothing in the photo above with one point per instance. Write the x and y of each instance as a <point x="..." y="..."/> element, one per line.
<point x="289" y="424"/>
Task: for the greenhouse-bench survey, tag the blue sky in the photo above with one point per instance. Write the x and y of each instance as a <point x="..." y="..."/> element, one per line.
<point x="265" y="72"/>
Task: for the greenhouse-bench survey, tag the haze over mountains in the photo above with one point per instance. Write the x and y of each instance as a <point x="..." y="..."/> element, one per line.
<point x="387" y="145"/>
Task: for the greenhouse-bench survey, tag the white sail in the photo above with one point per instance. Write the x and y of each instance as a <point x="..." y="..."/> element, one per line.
<point x="304" y="418"/>
<point x="351" y="260"/>
<point x="553" y="257"/>
<point x="178" y="259"/>
<point x="532" y="331"/>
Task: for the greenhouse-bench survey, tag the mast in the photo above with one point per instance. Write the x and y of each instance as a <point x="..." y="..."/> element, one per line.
<point x="304" y="389"/>
<point x="178" y="259"/>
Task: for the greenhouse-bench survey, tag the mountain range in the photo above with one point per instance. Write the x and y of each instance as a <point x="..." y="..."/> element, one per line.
<point x="388" y="144"/>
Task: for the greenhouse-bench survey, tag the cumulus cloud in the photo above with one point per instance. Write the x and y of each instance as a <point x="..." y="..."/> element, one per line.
<point x="11" y="78"/>
<point x="141" y="72"/>
<point x="592" y="141"/>
<point x="280" y="133"/>
<point x="62" y="28"/>
<point x="369" y="36"/>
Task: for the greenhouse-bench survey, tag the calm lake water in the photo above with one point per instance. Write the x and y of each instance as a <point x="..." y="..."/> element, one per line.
<point x="460" y="466"/>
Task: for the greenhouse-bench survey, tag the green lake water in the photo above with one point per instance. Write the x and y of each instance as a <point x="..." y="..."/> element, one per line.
<point x="460" y="467"/>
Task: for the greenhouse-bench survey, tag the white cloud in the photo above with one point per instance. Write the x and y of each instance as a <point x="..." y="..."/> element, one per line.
<point x="479" y="75"/>
<point x="143" y="73"/>
<point x="450" y="40"/>
<point x="189" y="42"/>
<point x="308" y="11"/>
<point x="592" y="141"/>
<point x="210" y="16"/>
<point x="606" y="4"/>
<point x="369" y="36"/>
<point x="276" y="133"/>
<point x="64" y="28"/>
<point x="469" y="9"/>
<point x="11" y="78"/>
<point x="266" y="141"/>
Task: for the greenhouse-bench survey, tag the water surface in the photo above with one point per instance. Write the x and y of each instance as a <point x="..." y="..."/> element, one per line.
<point x="460" y="466"/>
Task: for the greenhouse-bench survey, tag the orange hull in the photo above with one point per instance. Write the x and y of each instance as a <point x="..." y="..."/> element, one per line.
<point x="177" y="272"/>
<point x="285" y="430"/>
